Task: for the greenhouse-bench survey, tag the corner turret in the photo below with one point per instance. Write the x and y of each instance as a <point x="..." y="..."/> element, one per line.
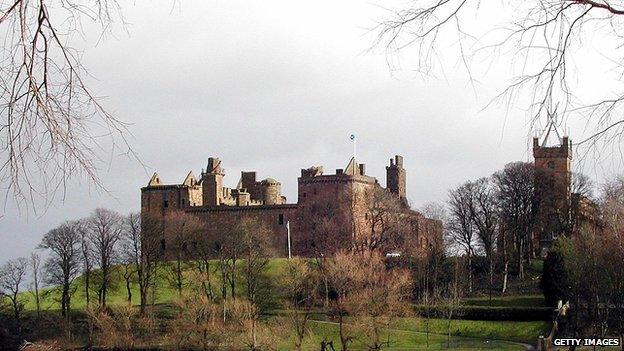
<point x="395" y="177"/>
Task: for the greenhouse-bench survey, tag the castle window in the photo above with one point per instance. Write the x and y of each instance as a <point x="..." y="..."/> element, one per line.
<point x="163" y="244"/>
<point x="166" y="204"/>
<point x="314" y="191"/>
<point x="304" y="195"/>
<point x="280" y="219"/>
<point x="551" y="164"/>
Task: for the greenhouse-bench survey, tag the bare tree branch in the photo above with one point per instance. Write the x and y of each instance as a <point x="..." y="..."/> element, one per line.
<point x="52" y="125"/>
<point x="540" y="37"/>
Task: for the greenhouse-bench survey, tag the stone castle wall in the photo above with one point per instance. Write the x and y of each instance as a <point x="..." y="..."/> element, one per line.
<point x="329" y="213"/>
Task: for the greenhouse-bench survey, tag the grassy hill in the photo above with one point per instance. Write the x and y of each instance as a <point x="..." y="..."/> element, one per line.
<point x="406" y="332"/>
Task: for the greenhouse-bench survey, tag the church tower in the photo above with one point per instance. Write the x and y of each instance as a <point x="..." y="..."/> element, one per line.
<point x="212" y="183"/>
<point x="395" y="177"/>
<point x="553" y="183"/>
<point x="555" y="161"/>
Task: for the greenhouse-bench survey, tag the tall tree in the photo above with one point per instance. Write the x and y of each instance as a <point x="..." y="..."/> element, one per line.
<point x="258" y="247"/>
<point x="145" y="246"/>
<point x="86" y="251"/>
<point x="518" y="207"/>
<point x="581" y="202"/>
<point x="180" y="229"/>
<point x="368" y="291"/>
<point x="63" y="264"/>
<point x="131" y="250"/>
<point x="105" y="227"/>
<point x="484" y="213"/>
<point x="380" y="228"/>
<point x="299" y="282"/>
<point x="461" y="226"/>
<point x="12" y="276"/>
<point x="35" y="268"/>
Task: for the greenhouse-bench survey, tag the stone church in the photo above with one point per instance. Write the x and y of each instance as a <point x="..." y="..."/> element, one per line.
<point x="332" y="211"/>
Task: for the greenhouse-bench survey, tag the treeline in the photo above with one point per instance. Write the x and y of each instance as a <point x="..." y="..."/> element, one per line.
<point x="584" y="271"/>
<point x="500" y="218"/>
<point x="223" y="288"/>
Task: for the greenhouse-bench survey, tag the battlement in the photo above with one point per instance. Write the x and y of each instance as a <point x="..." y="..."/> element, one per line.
<point x="354" y="172"/>
<point x="210" y="192"/>
<point x="561" y="151"/>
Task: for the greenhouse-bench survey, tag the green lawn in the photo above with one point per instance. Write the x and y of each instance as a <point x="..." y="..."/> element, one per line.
<point x="401" y="340"/>
<point x="526" y="332"/>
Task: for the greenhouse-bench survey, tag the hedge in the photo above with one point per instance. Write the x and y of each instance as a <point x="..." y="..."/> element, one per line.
<point x="487" y="313"/>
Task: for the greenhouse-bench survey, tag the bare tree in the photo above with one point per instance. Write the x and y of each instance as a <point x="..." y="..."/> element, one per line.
<point x="203" y="252"/>
<point x="582" y="199"/>
<point x="86" y="251"/>
<point x="518" y="208"/>
<point x="451" y="301"/>
<point x="63" y="264"/>
<point x="369" y="292"/>
<point x="258" y="248"/>
<point x="382" y="221"/>
<point x="131" y="250"/>
<point x="51" y="123"/>
<point x="12" y="276"/>
<point x="338" y="268"/>
<point x="540" y="39"/>
<point x="180" y="229"/>
<point x="105" y="227"/>
<point x="299" y="281"/>
<point x="146" y="249"/>
<point x="35" y="267"/>
<point x="461" y="226"/>
<point x="484" y="213"/>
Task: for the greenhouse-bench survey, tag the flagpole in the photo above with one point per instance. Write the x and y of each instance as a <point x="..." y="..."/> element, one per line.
<point x="354" y="145"/>
<point x="288" y="233"/>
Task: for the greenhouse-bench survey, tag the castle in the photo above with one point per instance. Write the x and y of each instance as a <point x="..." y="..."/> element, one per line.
<point x="332" y="212"/>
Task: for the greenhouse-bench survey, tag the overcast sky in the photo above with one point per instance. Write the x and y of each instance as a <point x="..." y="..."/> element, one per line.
<point x="275" y="86"/>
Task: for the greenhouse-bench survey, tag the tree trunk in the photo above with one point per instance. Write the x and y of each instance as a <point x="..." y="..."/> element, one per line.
<point x="87" y="281"/>
<point x="253" y="334"/>
<point x="343" y="339"/>
<point x="521" y="259"/>
<point x="470" y="270"/>
<point x="142" y="288"/>
<point x="37" y="301"/>
<point x="491" y="264"/>
<point x="505" y="275"/>
<point x="128" y="290"/>
<point x="65" y="299"/>
<point x="179" y="276"/>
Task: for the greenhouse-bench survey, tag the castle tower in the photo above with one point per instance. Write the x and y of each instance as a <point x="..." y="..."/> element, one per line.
<point x="555" y="161"/>
<point x="395" y="177"/>
<point x="212" y="183"/>
<point x="553" y="180"/>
